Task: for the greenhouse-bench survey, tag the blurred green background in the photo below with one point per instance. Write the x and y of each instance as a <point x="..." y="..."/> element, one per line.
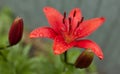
<point x="106" y="36"/>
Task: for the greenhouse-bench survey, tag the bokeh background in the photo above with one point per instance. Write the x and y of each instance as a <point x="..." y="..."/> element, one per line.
<point x="107" y="36"/>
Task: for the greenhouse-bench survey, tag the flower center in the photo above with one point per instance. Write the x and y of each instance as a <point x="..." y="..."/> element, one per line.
<point x="68" y="38"/>
<point x="69" y="34"/>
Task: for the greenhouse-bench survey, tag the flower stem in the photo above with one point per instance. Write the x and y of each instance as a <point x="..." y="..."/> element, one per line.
<point x="3" y="47"/>
<point x="4" y="57"/>
<point x="66" y="59"/>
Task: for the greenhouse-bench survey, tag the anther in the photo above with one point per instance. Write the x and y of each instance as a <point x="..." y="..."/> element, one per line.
<point x="74" y="13"/>
<point x="64" y="14"/>
<point x="64" y="17"/>
<point x="69" y="27"/>
<point x="81" y="19"/>
<point x="69" y="19"/>
<point x="80" y="22"/>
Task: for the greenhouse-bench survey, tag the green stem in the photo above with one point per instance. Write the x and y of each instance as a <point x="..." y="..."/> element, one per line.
<point x="4" y="58"/>
<point x="66" y="59"/>
<point x="3" y="47"/>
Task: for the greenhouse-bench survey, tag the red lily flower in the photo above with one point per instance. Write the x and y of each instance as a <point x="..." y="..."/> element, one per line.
<point x="68" y="31"/>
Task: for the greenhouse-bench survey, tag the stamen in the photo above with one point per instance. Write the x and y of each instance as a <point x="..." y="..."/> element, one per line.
<point x="80" y="22"/>
<point x="81" y="19"/>
<point x="69" y="27"/>
<point x="69" y="19"/>
<point x="64" y="18"/>
<point x="64" y="14"/>
<point x="74" y="13"/>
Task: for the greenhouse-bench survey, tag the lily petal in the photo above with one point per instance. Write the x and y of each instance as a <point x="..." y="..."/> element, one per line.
<point x="60" y="46"/>
<point x="43" y="32"/>
<point x="76" y="16"/>
<point x="89" y="44"/>
<point x="54" y="18"/>
<point x="75" y="13"/>
<point x="89" y="26"/>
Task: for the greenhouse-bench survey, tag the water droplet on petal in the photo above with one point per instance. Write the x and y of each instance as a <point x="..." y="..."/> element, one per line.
<point x="41" y="35"/>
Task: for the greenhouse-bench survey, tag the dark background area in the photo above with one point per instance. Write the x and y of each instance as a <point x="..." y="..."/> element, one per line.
<point x="106" y="36"/>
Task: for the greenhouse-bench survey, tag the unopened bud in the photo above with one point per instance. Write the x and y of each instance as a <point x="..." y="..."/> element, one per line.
<point x="16" y="31"/>
<point x="85" y="59"/>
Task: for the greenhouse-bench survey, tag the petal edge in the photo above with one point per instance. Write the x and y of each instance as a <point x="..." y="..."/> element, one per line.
<point x="89" y="44"/>
<point x="54" y="18"/>
<point x="89" y="26"/>
<point x="43" y="32"/>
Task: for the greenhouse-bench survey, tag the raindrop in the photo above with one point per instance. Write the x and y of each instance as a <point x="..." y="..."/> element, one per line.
<point x="41" y="35"/>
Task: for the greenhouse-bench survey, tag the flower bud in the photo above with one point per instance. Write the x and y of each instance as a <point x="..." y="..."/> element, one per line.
<point x="85" y="59"/>
<point x="16" y="31"/>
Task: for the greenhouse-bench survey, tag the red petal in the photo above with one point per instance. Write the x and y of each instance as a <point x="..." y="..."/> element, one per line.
<point x="55" y="19"/>
<point x="60" y="46"/>
<point x="88" y="44"/>
<point x="76" y="12"/>
<point x="76" y="16"/>
<point x="43" y="32"/>
<point x="89" y="26"/>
